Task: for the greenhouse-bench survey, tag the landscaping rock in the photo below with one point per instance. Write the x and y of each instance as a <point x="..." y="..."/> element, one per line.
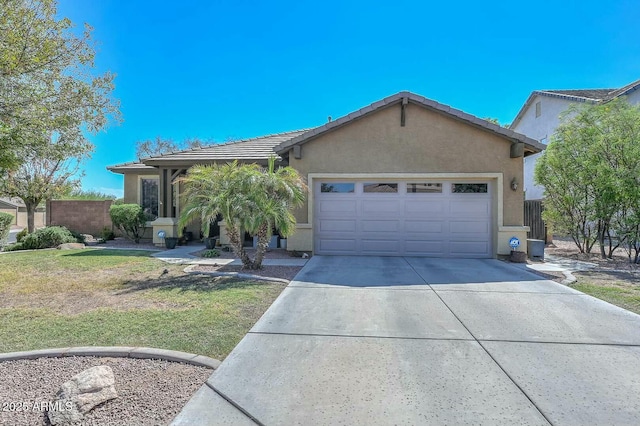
<point x="70" y="246"/>
<point x="84" y="391"/>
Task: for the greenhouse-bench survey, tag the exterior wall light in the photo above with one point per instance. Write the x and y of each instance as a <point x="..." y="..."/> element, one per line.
<point x="514" y="184"/>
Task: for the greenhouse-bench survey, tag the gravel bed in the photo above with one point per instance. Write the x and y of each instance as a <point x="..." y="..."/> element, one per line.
<point x="150" y="392"/>
<point x="565" y="247"/>
<point x="284" y="272"/>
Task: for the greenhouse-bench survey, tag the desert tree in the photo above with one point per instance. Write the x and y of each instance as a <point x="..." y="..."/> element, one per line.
<point x="590" y="172"/>
<point x="48" y="81"/>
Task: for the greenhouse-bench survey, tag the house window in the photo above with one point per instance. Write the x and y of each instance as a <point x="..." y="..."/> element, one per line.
<point x="469" y="188"/>
<point x="380" y="187"/>
<point x="418" y="188"/>
<point x="149" y="196"/>
<point x="538" y="109"/>
<point x="338" y="187"/>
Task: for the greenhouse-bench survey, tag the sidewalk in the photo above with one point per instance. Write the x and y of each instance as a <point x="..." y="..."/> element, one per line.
<point x="181" y="255"/>
<point x="559" y="264"/>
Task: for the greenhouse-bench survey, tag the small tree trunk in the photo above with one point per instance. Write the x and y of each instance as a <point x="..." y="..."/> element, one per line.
<point x="263" y="242"/>
<point x="31" y="214"/>
<point x="236" y="244"/>
<point x="601" y="233"/>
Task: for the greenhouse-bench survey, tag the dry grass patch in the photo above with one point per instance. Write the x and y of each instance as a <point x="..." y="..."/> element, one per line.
<point x="122" y="298"/>
<point x="618" y="288"/>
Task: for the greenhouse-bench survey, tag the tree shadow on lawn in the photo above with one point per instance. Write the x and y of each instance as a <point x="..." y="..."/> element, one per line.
<point x="92" y="252"/>
<point x="184" y="283"/>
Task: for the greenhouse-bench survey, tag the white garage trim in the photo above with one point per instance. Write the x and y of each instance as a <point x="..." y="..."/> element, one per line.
<point x="404" y="176"/>
<point x="496" y="180"/>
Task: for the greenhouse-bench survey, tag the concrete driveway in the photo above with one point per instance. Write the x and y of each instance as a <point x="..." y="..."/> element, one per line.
<point x="383" y="340"/>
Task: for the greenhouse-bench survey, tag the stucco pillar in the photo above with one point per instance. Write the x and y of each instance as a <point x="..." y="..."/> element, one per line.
<point x="167" y="224"/>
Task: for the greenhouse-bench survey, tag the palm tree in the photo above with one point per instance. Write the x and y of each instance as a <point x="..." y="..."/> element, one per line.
<point x="248" y="198"/>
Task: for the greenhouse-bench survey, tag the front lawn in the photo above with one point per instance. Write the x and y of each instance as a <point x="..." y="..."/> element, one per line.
<point x="53" y="298"/>
<point x="618" y="288"/>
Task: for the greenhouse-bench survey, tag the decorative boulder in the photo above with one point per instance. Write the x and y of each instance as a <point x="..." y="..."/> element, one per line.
<point x="70" y="246"/>
<point x="82" y="393"/>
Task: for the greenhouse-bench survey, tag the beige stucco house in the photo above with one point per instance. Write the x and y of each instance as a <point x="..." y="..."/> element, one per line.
<point x="15" y="207"/>
<point x="403" y="176"/>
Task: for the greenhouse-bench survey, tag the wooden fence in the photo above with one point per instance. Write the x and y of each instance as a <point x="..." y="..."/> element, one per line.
<point x="533" y="219"/>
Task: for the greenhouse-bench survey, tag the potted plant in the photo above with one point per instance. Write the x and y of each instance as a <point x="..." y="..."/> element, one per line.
<point x="210" y="242"/>
<point x="170" y="242"/>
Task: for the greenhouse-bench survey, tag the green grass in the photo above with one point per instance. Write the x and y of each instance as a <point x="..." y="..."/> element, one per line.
<point x="58" y="298"/>
<point x="617" y="292"/>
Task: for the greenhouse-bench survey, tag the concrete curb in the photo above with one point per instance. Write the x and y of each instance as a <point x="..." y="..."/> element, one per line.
<point x="190" y="270"/>
<point x="569" y="278"/>
<point x="116" y="352"/>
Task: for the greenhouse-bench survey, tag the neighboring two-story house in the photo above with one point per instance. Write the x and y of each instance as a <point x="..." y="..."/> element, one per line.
<point x="540" y="116"/>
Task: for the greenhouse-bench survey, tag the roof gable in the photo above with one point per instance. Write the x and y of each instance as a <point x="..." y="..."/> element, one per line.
<point x="407" y="97"/>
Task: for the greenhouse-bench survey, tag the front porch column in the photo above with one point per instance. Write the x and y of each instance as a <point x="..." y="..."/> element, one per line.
<point x="167" y="224"/>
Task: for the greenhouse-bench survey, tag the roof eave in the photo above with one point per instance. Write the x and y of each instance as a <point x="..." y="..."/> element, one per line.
<point x="160" y="162"/>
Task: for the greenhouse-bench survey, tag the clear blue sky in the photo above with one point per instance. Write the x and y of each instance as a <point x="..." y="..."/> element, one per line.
<point x="218" y="69"/>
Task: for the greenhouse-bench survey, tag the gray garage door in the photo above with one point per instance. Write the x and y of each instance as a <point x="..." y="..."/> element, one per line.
<point x="403" y="218"/>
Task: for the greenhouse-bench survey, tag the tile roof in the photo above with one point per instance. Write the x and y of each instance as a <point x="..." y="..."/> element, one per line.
<point x="578" y="95"/>
<point x="595" y="94"/>
<point x="260" y="148"/>
<point x="131" y="165"/>
<point x="15" y="202"/>
<point x="531" y="145"/>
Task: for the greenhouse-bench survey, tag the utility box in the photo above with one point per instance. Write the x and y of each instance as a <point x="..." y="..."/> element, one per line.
<point x="535" y="248"/>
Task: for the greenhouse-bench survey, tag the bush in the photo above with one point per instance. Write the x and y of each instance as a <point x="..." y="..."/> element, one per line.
<point x="20" y="236"/>
<point x="130" y="219"/>
<point x="79" y="237"/>
<point x="6" y="220"/>
<point x="13" y="247"/>
<point x="107" y="234"/>
<point x="49" y="237"/>
<point x="211" y="253"/>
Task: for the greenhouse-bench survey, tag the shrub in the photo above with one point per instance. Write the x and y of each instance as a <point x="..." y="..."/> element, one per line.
<point x="130" y="219"/>
<point x="20" y="236"/>
<point x="6" y="220"/>
<point x="211" y="253"/>
<point x="13" y="247"/>
<point x="49" y="237"/>
<point x="108" y="234"/>
<point x="78" y="236"/>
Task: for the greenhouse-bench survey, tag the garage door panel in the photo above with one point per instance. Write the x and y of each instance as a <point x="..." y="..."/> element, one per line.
<point x="338" y="206"/>
<point x="424" y="226"/>
<point x="432" y="248"/>
<point x="430" y="206"/>
<point x="380" y="207"/>
<point x="468" y="227"/>
<point x="381" y="247"/>
<point x="469" y="248"/>
<point x="338" y="245"/>
<point x="337" y="225"/>
<point x="380" y="225"/>
<point x="470" y="208"/>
